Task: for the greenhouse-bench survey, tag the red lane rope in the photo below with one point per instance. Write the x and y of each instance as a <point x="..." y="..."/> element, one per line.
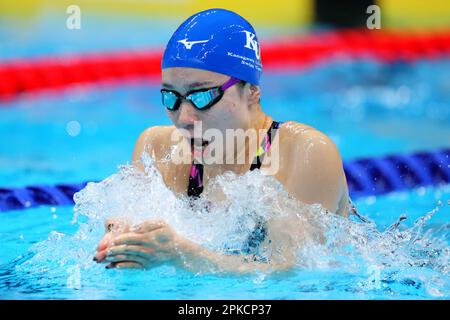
<point x="355" y="44"/>
<point x="293" y="53"/>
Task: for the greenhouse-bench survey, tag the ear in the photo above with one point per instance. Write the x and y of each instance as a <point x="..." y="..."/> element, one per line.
<point x="254" y="94"/>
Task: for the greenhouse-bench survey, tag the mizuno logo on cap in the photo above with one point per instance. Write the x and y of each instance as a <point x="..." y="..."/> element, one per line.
<point x="188" y="44"/>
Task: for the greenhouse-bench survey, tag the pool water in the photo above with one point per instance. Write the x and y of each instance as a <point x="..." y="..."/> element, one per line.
<point x="44" y="257"/>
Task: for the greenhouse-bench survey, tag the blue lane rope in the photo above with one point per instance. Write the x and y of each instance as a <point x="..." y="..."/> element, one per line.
<point x="365" y="177"/>
<point x="375" y="176"/>
<point x="33" y="196"/>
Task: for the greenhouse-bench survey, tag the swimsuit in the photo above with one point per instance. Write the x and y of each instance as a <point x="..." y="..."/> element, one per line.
<point x="195" y="188"/>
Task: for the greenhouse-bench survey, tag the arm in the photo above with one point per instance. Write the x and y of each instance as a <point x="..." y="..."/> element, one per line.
<point x="316" y="172"/>
<point x="145" y="143"/>
<point x="153" y="243"/>
<point x="199" y="259"/>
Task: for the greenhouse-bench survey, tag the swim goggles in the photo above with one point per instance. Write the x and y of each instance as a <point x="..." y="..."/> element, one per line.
<point x="201" y="99"/>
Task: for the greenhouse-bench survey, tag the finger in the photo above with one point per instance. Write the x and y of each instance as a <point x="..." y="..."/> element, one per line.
<point x="116" y="225"/>
<point x="129" y="249"/>
<point x="128" y="238"/>
<point x="104" y="241"/>
<point x="100" y="256"/>
<point x="125" y="258"/>
<point x="125" y="264"/>
<point x="148" y="226"/>
<point x="112" y="226"/>
<point x="121" y="241"/>
<point x="129" y="265"/>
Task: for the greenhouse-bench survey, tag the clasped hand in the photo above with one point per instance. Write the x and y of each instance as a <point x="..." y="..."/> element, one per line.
<point x="146" y="245"/>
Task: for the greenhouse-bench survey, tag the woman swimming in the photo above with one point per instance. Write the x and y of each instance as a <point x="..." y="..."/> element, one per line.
<point x="211" y="72"/>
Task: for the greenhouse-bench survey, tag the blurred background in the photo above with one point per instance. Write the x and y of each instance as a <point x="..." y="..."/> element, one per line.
<point x="38" y="27"/>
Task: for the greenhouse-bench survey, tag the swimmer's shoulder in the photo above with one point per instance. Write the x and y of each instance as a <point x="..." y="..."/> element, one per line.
<point x="156" y="141"/>
<point x="292" y="131"/>
<point x="311" y="160"/>
<point x="300" y="138"/>
<point x="296" y="138"/>
<point x="308" y="146"/>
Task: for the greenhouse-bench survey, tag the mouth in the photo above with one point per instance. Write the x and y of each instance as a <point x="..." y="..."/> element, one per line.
<point x="198" y="146"/>
<point x="199" y="143"/>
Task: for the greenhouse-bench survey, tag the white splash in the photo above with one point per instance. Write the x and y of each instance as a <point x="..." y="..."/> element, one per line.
<point x="319" y="240"/>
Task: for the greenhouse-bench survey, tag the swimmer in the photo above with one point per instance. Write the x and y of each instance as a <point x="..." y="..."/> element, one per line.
<point x="211" y="71"/>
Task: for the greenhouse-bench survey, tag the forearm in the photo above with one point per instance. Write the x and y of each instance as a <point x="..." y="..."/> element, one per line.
<point x="196" y="258"/>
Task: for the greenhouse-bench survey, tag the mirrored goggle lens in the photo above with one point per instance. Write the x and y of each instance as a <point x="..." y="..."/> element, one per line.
<point x="169" y="99"/>
<point x="204" y="99"/>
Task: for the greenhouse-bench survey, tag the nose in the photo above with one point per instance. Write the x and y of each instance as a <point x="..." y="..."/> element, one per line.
<point x="187" y="115"/>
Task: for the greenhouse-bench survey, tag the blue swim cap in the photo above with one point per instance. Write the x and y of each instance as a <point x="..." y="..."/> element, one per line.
<point x="216" y="40"/>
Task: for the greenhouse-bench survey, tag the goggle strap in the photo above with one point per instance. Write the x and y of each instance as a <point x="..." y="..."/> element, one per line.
<point x="229" y="83"/>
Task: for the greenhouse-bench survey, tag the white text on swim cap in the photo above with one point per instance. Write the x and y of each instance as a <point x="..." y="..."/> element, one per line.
<point x="251" y="43"/>
<point x="188" y="44"/>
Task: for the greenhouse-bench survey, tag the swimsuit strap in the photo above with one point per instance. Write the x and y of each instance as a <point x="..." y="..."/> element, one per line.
<point x="195" y="187"/>
<point x="265" y="146"/>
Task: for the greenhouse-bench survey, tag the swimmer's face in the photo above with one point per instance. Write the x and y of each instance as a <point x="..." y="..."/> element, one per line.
<point x="232" y="111"/>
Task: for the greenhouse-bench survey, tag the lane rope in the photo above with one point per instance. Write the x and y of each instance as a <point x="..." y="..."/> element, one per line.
<point x="293" y="53"/>
<point x="365" y="177"/>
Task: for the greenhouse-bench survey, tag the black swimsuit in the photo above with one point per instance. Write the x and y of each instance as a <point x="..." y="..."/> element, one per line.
<point x="195" y="188"/>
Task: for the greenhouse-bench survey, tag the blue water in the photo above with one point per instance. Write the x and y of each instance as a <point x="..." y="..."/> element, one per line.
<point x="367" y="108"/>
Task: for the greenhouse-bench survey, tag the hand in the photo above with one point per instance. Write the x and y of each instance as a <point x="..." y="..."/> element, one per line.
<point x="112" y="227"/>
<point x="146" y="245"/>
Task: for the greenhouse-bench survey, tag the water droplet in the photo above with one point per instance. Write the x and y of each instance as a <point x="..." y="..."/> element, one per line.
<point x="73" y="128"/>
<point x="371" y="200"/>
<point x="421" y="191"/>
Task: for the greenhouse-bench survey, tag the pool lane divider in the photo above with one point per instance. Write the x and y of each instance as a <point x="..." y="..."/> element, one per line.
<point x="34" y="196"/>
<point x="293" y="53"/>
<point x="365" y="177"/>
<point x="376" y="176"/>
